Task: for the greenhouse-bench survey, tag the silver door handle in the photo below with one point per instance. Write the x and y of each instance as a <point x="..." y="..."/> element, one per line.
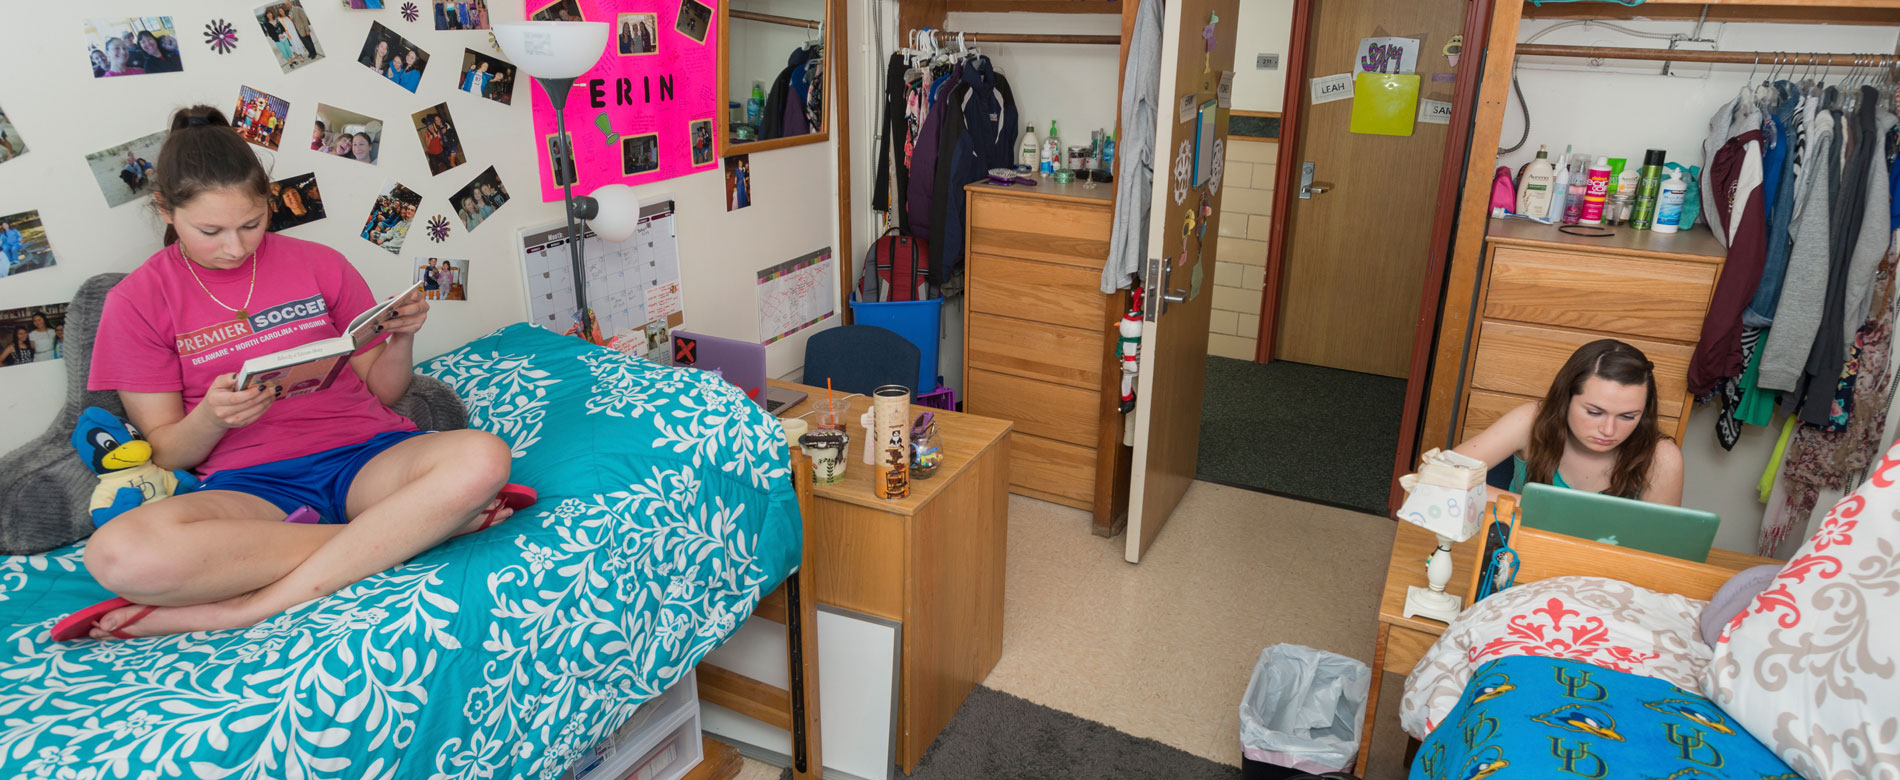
<point x="1316" y="189"/>
<point x="1160" y="292"/>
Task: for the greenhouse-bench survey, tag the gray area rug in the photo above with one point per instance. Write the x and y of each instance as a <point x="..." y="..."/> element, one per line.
<point x="996" y="736"/>
<point x="1306" y="432"/>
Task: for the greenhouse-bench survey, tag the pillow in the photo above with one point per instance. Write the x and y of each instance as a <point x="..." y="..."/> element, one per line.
<point x="1734" y="597"/>
<point x="1810" y="667"/>
<point x="1609" y="623"/>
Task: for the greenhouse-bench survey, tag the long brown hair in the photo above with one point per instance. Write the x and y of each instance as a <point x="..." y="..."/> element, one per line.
<point x="202" y="152"/>
<point x="1550" y="431"/>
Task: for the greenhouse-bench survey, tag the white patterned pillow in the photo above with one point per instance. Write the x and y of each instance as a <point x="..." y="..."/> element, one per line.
<point x="1810" y="667"/>
<point x="1606" y="622"/>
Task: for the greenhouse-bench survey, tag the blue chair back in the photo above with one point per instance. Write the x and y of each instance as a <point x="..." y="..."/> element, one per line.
<point x="861" y="358"/>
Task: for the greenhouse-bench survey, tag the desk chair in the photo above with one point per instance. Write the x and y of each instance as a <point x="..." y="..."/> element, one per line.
<point x="860" y="358"/>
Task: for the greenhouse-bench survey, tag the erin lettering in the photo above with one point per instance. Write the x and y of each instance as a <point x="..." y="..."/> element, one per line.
<point x="623" y="91"/>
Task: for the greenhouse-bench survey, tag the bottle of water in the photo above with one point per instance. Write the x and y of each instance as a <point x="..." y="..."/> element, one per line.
<point x="755" y="106"/>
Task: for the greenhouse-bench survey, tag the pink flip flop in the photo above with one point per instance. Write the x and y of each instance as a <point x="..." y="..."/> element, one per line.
<point x="512" y="496"/>
<point x="79" y="625"/>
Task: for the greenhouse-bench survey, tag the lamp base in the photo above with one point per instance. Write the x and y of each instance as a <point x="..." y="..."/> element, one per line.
<point x="1435" y="604"/>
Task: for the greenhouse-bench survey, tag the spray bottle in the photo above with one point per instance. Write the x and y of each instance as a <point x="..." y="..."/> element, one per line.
<point x="1051" y="150"/>
<point x="1648" y="183"/>
<point x="1573" y="190"/>
<point x="755" y="105"/>
<point x="1559" y="191"/>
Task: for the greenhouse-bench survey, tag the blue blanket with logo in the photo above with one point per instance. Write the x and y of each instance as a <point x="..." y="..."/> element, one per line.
<point x="666" y="512"/>
<point x="1534" y="717"/>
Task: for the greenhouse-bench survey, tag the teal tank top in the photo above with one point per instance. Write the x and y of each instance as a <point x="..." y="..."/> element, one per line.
<point x="1517" y="476"/>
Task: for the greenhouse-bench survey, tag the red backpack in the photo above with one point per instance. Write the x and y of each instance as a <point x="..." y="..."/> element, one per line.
<point x="897" y="268"/>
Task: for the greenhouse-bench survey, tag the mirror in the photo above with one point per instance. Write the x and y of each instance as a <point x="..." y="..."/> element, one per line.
<point x="773" y="73"/>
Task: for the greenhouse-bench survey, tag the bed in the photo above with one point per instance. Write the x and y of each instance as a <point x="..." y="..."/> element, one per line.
<point x="667" y="512"/>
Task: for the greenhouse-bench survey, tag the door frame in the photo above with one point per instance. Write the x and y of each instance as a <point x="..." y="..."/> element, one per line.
<point x="1453" y="161"/>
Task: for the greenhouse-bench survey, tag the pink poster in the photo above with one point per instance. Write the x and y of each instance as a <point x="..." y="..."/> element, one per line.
<point x="645" y="112"/>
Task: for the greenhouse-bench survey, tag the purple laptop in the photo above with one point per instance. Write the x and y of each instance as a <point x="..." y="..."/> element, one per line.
<point x="740" y="362"/>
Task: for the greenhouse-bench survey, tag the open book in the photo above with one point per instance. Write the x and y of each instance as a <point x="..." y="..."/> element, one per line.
<point x="313" y="366"/>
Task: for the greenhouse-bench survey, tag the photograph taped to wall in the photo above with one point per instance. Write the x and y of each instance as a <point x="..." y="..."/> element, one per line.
<point x="478" y="200"/>
<point x="11" y="144"/>
<point x="738" y="182"/>
<point x="488" y="77"/>
<point x="288" y="33"/>
<point x="637" y="34"/>
<point x="132" y="47"/>
<point x="32" y="334"/>
<point x="441" y="144"/>
<point x="344" y="133"/>
<point x="124" y="172"/>
<point x="629" y="283"/>
<point x="640" y="154"/>
<point x="393" y="57"/>
<point x="390" y="217"/>
<point x="561" y="159"/>
<point x="462" y="15"/>
<point x="23" y="244"/>
<point x="295" y="201"/>
<point x="363" y="5"/>
<point x="443" y="279"/>
<point x="702" y="133"/>
<point x="695" y="19"/>
<point x="559" y="11"/>
<point x="259" y="117"/>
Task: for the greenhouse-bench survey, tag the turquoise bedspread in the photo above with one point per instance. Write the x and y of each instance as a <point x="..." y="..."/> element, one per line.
<point x="666" y="513"/>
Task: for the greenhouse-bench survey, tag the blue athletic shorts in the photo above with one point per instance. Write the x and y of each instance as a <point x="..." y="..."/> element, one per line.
<point x="320" y="480"/>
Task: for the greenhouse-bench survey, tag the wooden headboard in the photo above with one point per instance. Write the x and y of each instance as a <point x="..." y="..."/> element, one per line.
<point x="1543" y="554"/>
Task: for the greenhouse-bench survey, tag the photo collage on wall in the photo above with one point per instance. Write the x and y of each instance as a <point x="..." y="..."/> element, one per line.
<point x="442" y="279"/>
<point x="132" y="47"/>
<point x="23" y="244"/>
<point x="32" y="334"/>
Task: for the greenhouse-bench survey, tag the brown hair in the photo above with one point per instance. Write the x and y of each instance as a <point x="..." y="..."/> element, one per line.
<point x="202" y="152"/>
<point x="1550" y="431"/>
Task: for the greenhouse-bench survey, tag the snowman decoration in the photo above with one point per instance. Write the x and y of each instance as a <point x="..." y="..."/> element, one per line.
<point x="1129" y="345"/>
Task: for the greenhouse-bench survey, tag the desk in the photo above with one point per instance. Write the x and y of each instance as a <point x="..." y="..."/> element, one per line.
<point x="932" y="561"/>
<point x="1404" y="640"/>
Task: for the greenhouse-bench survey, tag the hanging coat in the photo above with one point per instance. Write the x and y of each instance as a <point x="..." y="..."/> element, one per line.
<point x="1798" y="312"/>
<point x="891" y="135"/>
<point x="923" y="159"/>
<point x="1134" y="181"/>
<point x="976" y="138"/>
<point x="1736" y="168"/>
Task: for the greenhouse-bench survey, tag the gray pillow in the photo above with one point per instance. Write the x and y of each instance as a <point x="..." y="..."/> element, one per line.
<point x="1735" y="596"/>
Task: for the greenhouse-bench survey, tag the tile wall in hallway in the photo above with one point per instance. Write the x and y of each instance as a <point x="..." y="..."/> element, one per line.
<point x="1240" y="267"/>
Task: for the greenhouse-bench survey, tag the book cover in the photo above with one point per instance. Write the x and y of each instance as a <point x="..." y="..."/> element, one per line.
<point x="311" y="367"/>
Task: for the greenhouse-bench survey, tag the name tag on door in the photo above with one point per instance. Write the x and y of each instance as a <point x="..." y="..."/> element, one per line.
<point x="1327" y="89"/>
<point x="1434" y="112"/>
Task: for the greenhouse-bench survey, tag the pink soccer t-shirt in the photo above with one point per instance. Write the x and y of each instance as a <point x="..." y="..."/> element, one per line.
<point x="161" y="332"/>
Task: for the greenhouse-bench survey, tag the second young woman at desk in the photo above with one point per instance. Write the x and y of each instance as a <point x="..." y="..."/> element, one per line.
<point x="1595" y="430"/>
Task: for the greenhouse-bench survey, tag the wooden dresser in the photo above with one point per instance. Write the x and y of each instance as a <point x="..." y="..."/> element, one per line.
<point x="1039" y="341"/>
<point x="1545" y="293"/>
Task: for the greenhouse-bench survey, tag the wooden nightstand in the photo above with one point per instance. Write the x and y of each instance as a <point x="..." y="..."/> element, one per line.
<point x="1403" y="640"/>
<point x="932" y="561"/>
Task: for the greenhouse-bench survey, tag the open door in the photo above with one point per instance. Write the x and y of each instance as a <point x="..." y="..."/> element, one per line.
<point x="1197" y="48"/>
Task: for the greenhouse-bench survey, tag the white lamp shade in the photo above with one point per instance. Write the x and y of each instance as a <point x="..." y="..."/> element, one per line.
<point x="552" y="50"/>
<point x="617" y="213"/>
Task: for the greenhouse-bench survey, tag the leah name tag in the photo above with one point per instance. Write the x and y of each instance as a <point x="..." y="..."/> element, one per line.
<point x="1327" y="89"/>
<point x="1434" y="112"/>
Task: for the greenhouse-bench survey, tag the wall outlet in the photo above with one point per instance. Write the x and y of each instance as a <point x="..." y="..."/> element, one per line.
<point x="1266" y="62"/>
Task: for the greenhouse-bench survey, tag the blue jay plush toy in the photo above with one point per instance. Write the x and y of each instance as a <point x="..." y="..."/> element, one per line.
<point x="123" y="461"/>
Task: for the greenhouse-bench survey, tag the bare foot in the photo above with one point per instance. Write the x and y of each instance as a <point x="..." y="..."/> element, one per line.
<point x="165" y="621"/>
<point x="484" y="518"/>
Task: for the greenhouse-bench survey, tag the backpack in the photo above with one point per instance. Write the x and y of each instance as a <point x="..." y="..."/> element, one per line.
<point x="896" y="268"/>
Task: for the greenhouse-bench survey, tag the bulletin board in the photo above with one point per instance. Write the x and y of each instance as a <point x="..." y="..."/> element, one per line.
<point x="645" y="112"/>
<point x="631" y="284"/>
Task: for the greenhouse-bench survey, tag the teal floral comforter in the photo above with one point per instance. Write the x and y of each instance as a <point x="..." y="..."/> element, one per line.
<point x="666" y="513"/>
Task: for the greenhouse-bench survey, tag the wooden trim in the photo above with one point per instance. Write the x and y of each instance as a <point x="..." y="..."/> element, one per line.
<point x="838" y="71"/>
<point x="802" y="630"/>
<point x="1455" y="158"/>
<point x="1266" y="114"/>
<point x="1372" y="700"/>
<point x="760" y="701"/>
<point x="1039" y="6"/>
<point x="1681" y="55"/>
<point x="833" y="87"/>
<point x="755" y="16"/>
<point x="1112" y="460"/>
<point x="972" y="37"/>
<point x="1286" y="178"/>
<point x="721" y="761"/>
<point x="755" y="147"/>
<point x="1792" y="14"/>
<point x="772" y="607"/>
<point x="1467" y="248"/>
<point x="1046" y="190"/>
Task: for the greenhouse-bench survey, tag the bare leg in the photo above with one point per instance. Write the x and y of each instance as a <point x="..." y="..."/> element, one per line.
<point x="406" y="500"/>
<point x="199" y="547"/>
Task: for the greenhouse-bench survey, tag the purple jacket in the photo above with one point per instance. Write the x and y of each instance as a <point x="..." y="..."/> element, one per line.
<point x="923" y="160"/>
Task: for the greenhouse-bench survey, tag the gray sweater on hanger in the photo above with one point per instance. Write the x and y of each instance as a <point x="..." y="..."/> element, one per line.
<point x="1798" y="315"/>
<point x="1871" y="244"/>
<point x="1134" y="182"/>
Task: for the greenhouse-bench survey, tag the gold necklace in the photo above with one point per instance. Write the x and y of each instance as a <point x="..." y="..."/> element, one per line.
<point x="243" y="312"/>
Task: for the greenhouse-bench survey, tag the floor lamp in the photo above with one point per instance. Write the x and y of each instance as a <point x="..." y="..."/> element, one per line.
<point x="556" y="54"/>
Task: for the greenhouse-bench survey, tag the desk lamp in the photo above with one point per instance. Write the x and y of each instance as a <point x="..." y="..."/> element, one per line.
<point x="556" y="54"/>
<point x="1447" y="498"/>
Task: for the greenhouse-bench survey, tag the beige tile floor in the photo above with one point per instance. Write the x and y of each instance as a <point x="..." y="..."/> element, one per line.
<point x="1164" y="649"/>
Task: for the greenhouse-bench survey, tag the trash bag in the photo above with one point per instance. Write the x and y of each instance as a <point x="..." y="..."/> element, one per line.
<point x="1303" y="709"/>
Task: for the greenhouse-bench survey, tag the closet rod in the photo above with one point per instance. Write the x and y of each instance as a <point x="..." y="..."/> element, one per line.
<point x="770" y="19"/>
<point x="950" y="36"/>
<point x="1682" y="55"/>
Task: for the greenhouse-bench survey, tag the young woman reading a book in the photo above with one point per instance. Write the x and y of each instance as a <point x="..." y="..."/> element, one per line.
<point x="171" y="336"/>
<point x="1594" y="431"/>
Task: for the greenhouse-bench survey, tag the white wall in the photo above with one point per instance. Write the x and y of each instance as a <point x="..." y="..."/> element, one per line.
<point x="1073" y="84"/>
<point x="64" y="114"/>
<point x="1620" y="109"/>
<point x="1266" y="26"/>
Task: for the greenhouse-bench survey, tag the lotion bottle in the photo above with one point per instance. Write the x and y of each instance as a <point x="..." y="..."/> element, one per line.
<point x="1533" y="187"/>
<point x="1029" y="152"/>
<point x="1669" y="203"/>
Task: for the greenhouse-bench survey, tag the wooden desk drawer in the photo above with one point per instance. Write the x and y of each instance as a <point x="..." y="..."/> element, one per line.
<point x="1052" y="353"/>
<point x="1403" y="648"/>
<point x="1052" y="411"/>
<point x="1483" y="408"/>
<point x="1051" y="466"/>
<point x="1040" y="230"/>
<point x="1654" y="298"/>
<point x="1522" y="360"/>
<point x="1045" y="292"/>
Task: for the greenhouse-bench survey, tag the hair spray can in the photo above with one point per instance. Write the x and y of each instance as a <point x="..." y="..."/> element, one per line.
<point x="891" y="403"/>
<point x="1643" y="217"/>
